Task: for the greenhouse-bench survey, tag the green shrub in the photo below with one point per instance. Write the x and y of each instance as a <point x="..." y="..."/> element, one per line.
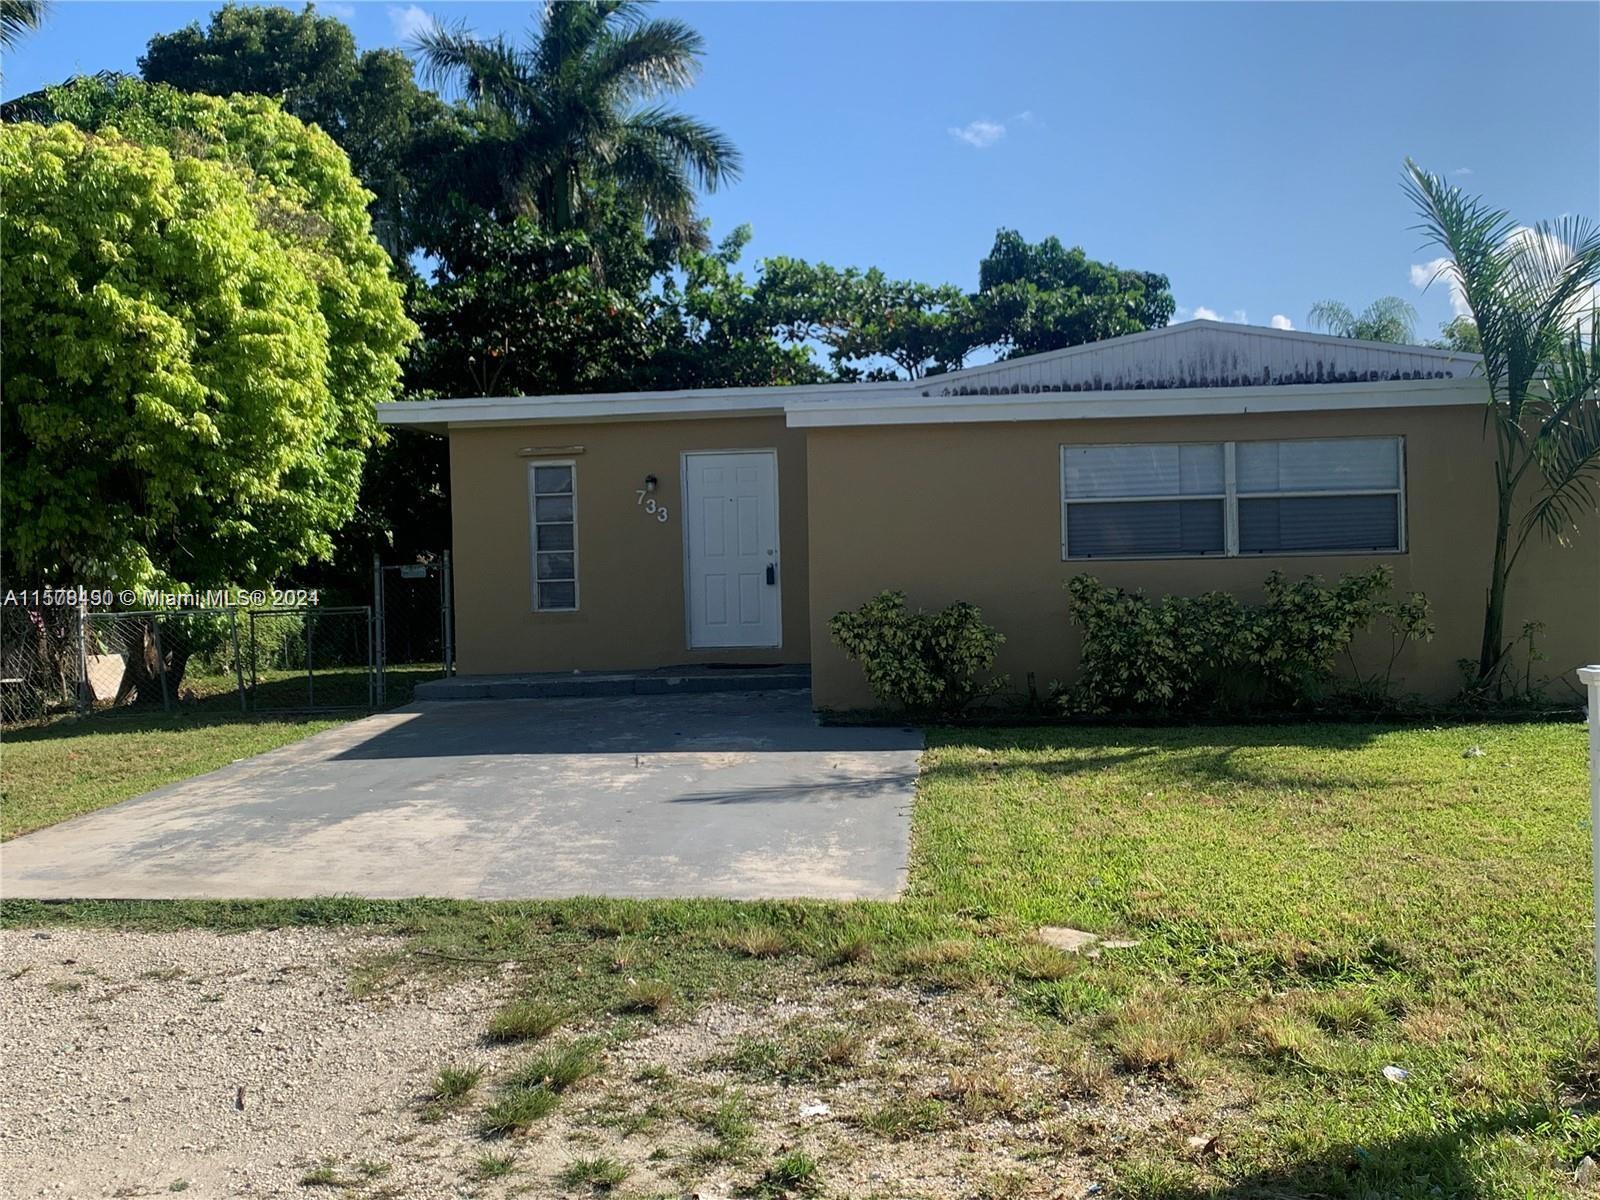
<point x="921" y="661"/>
<point x="1212" y="652"/>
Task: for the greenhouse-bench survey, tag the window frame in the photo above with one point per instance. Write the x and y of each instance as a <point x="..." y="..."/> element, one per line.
<point x="533" y="534"/>
<point x="1230" y="498"/>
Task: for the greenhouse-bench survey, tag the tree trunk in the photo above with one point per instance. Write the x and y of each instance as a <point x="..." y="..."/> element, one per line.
<point x="141" y="677"/>
<point x="1492" y="652"/>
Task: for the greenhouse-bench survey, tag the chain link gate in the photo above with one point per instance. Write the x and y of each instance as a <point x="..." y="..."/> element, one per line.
<point x="311" y="657"/>
<point x="413" y="623"/>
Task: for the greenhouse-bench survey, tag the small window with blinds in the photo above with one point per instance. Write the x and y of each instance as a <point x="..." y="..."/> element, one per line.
<point x="1143" y="501"/>
<point x="1311" y="496"/>
<point x="553" y="499"/>
<point x="1303" y="497"/>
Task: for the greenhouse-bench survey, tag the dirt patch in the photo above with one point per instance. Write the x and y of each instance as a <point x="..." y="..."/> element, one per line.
<point x="125" y="1054"/>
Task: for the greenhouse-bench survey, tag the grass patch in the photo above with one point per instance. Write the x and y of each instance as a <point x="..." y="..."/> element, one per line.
<point x="322" y="1176"/>
<point x="524" y="1021"/>
<point x="557" y="1070"/>
<point x="646" y="996"/>
<point x="602" y="1173"/>
<point x="793" y="1174"/>
<point x="452" y="1085"/>
<point x="515" y="1110"/>
<point x="493" y="1166"/>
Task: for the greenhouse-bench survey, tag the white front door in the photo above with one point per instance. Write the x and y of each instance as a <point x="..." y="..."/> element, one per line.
<point x="731" y="550"/>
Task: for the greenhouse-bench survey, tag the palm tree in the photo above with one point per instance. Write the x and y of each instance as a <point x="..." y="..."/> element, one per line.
<point x="1529" y="290"/>
<point x="18" y="17"/>
<point x="572" y="113"/>
<point x="1386" y="319"/>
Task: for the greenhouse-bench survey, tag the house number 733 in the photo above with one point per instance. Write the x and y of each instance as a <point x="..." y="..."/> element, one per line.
<point x="648" y="503"/>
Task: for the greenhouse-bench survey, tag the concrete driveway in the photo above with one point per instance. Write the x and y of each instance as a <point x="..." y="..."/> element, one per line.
<point x="740" y="795"/>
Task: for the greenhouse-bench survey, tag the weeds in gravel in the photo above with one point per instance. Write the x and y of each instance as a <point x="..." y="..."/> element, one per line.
<point x="532" y="1090"/>
<point x="493" y="1166"/>
<point x="557" y="1070"/>
<point x="730" y="1124"/>
<point x="322" y="1176"/>
<point x="524" y="1021"/>
<point x="452" y="1085"/>
<point x="516" y="1110"/>
<point x="794" y="1174"/>
<point x="602" y="1173"/>
<point x="901" y="1119"/>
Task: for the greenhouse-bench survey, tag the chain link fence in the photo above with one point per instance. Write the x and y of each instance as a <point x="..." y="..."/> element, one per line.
<point x="61" y="661"/>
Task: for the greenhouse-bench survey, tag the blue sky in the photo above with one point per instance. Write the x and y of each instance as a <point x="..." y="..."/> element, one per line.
<point x="1250" y="151"/>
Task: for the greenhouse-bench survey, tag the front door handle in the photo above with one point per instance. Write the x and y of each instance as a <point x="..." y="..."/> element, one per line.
<point x="772" y="574"/>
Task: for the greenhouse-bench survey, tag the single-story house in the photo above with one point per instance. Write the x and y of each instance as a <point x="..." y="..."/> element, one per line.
<point x="653" y="529"/>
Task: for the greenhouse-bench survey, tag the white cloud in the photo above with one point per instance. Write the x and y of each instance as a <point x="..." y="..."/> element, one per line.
<point x="979" y="134"/>
<point x="1422" y="274"/>
<point x="345" y="12"/>
<point x="1279" y="321"/>
<point x="408" y="22"/>
<point x="1462" y="171"/>
<point x="1202" y="313"/>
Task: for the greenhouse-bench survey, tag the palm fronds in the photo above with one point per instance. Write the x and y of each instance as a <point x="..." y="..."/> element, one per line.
<point x="19" y="17"/>
<point x="557" y="119"/>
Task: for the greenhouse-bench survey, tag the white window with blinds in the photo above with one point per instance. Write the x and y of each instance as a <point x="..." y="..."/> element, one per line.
<point x="552" y="499"/>
<point x="1311" y="496"/>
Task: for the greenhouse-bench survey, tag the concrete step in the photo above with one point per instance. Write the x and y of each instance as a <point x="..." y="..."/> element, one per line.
<point x="659" y="682"/>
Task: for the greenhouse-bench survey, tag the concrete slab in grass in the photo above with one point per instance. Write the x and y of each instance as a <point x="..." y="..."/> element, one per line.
<point x="739" y="795"/>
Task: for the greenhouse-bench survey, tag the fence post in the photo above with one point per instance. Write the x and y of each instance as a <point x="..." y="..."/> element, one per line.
<point x="1591" y="680"/>
<point x="379" y="639"/>
<point x="161" y="665"/>
<point x="238" y="666"/>
<point x="85" y="689"/>
<point x="311" y="679"/>
<point x="447" y="617"/>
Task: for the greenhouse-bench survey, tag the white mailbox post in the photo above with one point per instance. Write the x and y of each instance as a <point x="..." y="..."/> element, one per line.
<point x="1591" y="682"/>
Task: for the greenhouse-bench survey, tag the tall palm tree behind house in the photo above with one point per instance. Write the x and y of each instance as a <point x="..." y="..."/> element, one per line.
<point x="575" y="111"/>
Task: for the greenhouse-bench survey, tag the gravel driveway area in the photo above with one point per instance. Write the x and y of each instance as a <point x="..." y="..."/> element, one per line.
<point x="124" y="1054"/>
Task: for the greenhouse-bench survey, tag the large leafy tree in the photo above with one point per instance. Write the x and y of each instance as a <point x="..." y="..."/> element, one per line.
<point x="864" y="318"/>
<point x="1530" y="291"/>
<point x="198" y="325"/>
<point x="1386" y="319"/>
<point x="1031" y="297"/>
<point x="713" y="328"/>
<point x="369" y="103"/>
<point x="575" y="114"/>
<point x="1040" y="296"/>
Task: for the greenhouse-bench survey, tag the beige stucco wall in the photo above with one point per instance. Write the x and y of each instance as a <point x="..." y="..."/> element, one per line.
<point x="630" y="566"/>
<point x="972" y="512"/>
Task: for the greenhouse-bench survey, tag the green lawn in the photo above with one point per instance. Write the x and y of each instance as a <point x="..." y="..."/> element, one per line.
<point x="1312" y="904"/>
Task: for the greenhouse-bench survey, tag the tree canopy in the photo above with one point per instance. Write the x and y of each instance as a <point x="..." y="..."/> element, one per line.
<point x="368" y="103"/>
<point x="199" y="324"/>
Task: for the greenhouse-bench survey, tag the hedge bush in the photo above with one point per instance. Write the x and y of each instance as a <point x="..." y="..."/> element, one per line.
<point x="1186" y="654"/>
<point x="925" y="662"/>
